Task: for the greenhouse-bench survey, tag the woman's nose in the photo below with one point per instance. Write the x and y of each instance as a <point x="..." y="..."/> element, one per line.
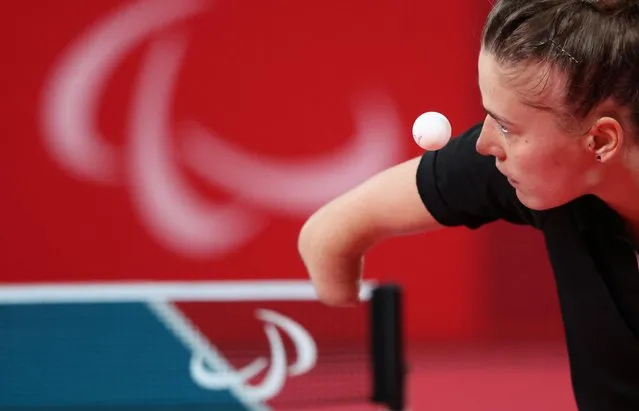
<point x="489" y="141"/>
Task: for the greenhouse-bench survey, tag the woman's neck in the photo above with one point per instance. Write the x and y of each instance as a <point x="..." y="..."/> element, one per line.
<point x="620" y="190"/>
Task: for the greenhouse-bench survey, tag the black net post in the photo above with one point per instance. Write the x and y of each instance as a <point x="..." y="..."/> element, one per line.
<point x="387" y="347"/>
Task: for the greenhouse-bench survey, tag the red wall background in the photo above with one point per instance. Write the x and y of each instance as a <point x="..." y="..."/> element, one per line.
<point x="275" y="79"/>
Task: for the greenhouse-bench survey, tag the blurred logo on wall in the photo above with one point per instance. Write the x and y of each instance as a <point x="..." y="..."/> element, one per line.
<point x="149" y="162"/>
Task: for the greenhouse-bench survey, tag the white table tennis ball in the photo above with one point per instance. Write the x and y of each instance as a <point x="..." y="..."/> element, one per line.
<point x="431" y="131"/>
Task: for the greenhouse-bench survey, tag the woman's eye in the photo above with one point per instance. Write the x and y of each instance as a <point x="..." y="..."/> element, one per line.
<point x="503" y="129"/>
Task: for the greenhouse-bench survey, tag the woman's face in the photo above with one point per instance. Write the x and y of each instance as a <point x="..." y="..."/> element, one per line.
<point x="546" y="165"/>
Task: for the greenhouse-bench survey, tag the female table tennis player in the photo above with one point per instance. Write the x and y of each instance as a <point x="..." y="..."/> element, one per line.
<point x="559" y="151"/>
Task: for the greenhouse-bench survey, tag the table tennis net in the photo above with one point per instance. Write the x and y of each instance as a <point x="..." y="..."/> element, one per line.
<point x="188" y="355"/>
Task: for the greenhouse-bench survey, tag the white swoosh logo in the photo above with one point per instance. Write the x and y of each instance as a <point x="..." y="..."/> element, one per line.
<point x="171" y="209"/>
<point x="300" y="186"/>
<point x="73" y="92"/>
<point x="275" y="377"/>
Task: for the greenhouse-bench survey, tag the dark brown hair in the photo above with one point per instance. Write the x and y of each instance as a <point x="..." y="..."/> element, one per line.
<point x="594" y="44"/>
